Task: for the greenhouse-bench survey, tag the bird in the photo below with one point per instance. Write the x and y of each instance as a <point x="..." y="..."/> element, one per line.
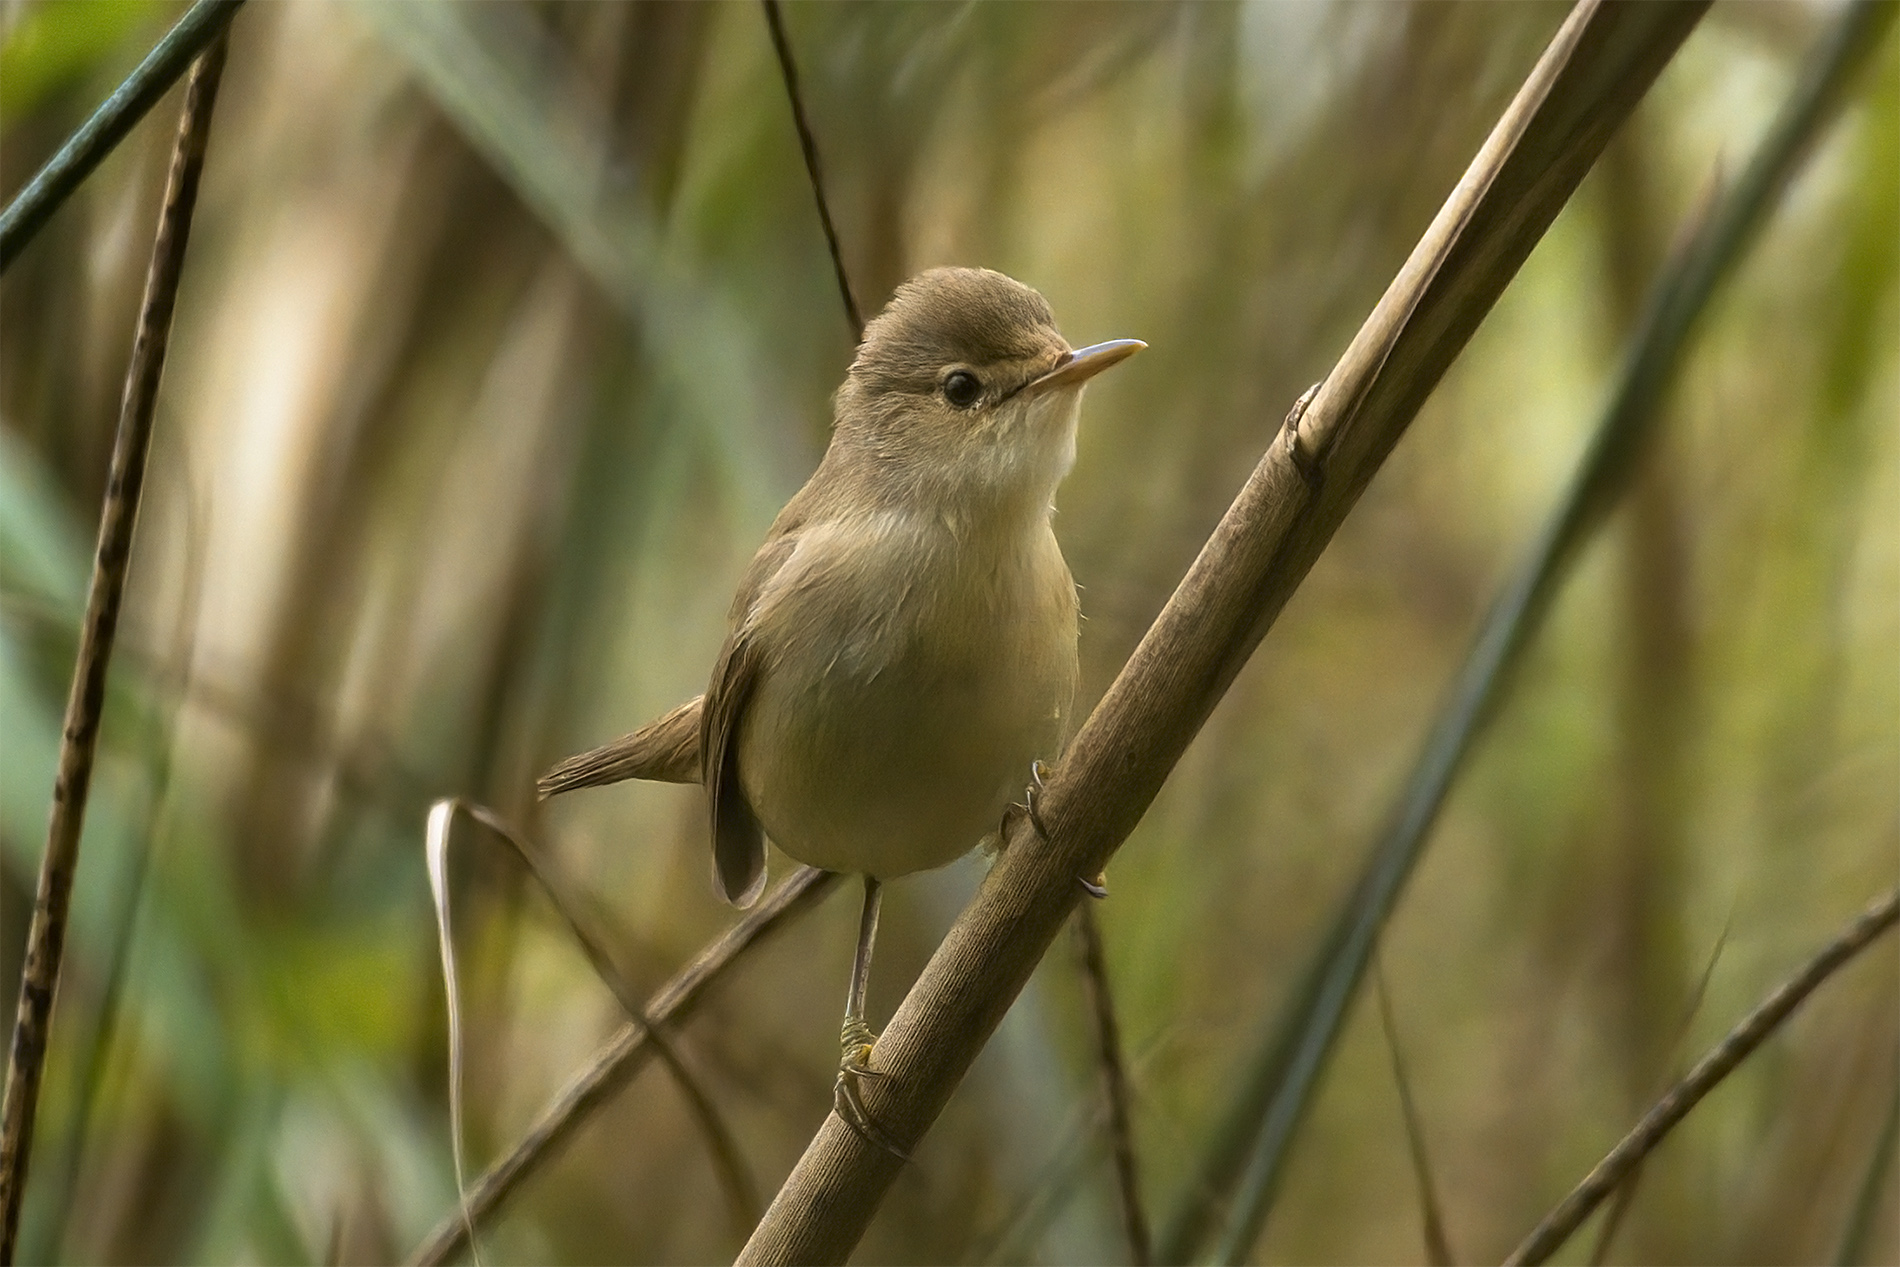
<point x="902" y="650"/>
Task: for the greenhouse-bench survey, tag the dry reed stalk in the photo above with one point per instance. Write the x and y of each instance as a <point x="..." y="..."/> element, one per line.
<point x="728" y="1160"/>
<point x="1437" y="1240"/>
<point x="1568" y="1215"/>
<point x="622" y="1056"/>
<point x="808" y="146"/>
<point x="1108" y="1056"/>
<point x="1599" y="65"/>
<point x="46" y="937"/>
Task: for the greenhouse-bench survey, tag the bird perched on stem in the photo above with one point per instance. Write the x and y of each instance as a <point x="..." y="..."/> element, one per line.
<point x="902" y="649"/>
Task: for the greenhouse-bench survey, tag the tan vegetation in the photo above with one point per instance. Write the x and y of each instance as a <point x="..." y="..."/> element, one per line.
<point x="504" y="331"/>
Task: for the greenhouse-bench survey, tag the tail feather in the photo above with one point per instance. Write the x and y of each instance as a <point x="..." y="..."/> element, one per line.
<point x="664" y="751"/>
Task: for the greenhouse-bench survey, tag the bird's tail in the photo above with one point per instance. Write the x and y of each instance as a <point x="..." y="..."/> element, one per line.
<point x="664" y="751"/>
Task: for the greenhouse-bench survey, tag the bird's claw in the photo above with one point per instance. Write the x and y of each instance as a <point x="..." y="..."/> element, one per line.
<point x="1032" y="797"/>
<point x="848" y="1096"/>
<point x="1097" y="887"/>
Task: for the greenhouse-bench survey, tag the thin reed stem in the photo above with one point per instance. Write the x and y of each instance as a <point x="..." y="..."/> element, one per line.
<point x="1108" y="1055"/>
<point x="808" y="145"/>
<point x="1438" y="1250"/>
<point x="735" y="1177"/>
<point x="616" y="1062"/>
<point x="1568" y="1215"/>
<point x="1626" y="1191"/>
<point x="46" y="937"/>
<point x="622" y="1056"/>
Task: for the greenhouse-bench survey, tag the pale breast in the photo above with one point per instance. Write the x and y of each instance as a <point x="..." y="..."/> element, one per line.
<point x="913" y="677"/>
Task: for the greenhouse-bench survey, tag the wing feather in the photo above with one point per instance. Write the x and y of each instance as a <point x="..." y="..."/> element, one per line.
<point x="738" y="840"/>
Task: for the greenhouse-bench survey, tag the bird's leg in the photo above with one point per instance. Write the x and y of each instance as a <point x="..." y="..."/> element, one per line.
<point x="857" y="1037"/>
<point x="1097" y="887"/>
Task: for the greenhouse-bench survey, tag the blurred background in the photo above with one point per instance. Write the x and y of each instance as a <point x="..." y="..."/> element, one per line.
<point x="507" y="327"/>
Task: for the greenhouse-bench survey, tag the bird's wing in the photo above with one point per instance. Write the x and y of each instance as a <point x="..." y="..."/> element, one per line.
<point x="737" y="839"/>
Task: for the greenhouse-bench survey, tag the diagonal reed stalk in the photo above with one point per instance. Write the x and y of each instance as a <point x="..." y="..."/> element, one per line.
<point x="1626" y="1191"/>
<point x="734" y="1176"/>
<point x="99" y="135"/>
<point x="46" y="936"/>
<point x="1246" y="1160"/>
<point x="1555" y="1228"/>
<point x="1599" y="65"/>
<point x="622" y="1056"/>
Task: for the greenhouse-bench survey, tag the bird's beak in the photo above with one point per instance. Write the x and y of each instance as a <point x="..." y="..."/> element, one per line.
<point x="1083" y="364"/>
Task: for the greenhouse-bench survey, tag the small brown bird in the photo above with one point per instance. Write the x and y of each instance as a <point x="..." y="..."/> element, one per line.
<point x="902" y="649"/>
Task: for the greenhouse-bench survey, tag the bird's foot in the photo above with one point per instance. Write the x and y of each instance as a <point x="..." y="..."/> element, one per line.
<point x="1096" y="887"/>
<point x="1032" y="797"/>
<point x="854" y="1066"/>
<point x="1018" y="811"/>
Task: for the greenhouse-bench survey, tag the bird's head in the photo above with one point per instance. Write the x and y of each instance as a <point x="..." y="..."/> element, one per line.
<point x="963" y="389"/>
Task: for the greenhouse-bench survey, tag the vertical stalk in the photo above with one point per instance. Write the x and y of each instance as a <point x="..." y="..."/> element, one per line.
<point x="1108" y="1052"/>
<point x="46" y="937"/>
<point x="808" y="145"/>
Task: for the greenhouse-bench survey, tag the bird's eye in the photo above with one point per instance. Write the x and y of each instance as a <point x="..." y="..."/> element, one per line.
<point x="961" y="388"/>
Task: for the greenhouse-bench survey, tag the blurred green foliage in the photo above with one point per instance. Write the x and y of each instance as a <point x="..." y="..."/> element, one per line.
<point x="48" y="46"/>
<point x="505" y="331"/>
